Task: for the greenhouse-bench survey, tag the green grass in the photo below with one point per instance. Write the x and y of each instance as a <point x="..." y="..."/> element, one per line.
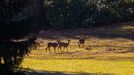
<point x="107" y="51"/>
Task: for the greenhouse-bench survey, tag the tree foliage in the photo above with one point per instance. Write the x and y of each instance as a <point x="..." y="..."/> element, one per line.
<point x="15" y="23"/>
<point x="87" y="13"/>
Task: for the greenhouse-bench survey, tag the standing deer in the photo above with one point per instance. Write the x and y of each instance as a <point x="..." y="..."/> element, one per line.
<point x="81" y="41"/>
<point x="51" y="44"/>
<point x="63" y="44"/>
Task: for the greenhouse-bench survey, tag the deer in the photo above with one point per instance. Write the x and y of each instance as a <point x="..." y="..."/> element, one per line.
<point x="81" y="41"/>
<point x="51" y="44"/>
<point x="63" y="44"/>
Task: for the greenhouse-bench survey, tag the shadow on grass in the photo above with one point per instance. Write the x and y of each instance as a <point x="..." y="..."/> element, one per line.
<point x="107" y="32"/>
<point x="118" y="58"/>
<point x="113" y="31"/>
<point x="115" y="58"/>
<point x="61" y="73"/>
<point x="105" y="58"/>
<point x="113" y="48"/>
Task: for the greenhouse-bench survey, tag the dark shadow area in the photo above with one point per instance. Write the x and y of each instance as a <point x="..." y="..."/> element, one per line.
<point x="104" y="32"/>
<point x="12" y="54"/>
<point x="113" y="48"/>
<point x="118" y="58"/>
<point x="73" y="58"/>
<point x="31" y="72"/>
<point x="7" y="72"/>
<point x="93" y="57"/>
<point x="111" y="32"/>
<point x="109" y="58"/>
<point x="17" y="37"/>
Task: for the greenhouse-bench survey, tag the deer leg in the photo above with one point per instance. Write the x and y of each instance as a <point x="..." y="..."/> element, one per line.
<point x="67" y="49"/>
<point x="63" y="49"/>
<point x="46" y="49"/>
<point x="49" y="49"/>
<point x="60" y="49"/>
<point x="54" y="49"/>
<point x="78" y="44"/>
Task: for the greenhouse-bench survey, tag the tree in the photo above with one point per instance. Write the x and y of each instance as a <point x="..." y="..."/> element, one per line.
<point x="88" y="13"/>
<point x="16" y="22"/>
<point x="38" y="10"/>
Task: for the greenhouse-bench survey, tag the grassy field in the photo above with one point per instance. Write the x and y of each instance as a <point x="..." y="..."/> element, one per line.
<point x="108" y="51"/>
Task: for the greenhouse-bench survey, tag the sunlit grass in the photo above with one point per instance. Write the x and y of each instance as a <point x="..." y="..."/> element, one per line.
<point x="128" y="27"/>
<point x="113" y="56"/>
<point x="82" y="66"/>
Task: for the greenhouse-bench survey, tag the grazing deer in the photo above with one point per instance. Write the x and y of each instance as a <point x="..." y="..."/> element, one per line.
<point x="81" y="41"/>
<point x="51" y="44"/>
<point x="63" y="44"/>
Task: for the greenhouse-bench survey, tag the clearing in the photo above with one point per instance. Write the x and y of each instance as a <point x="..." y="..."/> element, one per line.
<point x="108" y="51"/>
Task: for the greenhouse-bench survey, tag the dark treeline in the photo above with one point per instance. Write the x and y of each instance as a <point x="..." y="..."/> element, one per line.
<point x="15" y="25"/>
<point x="87" y="13"/>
